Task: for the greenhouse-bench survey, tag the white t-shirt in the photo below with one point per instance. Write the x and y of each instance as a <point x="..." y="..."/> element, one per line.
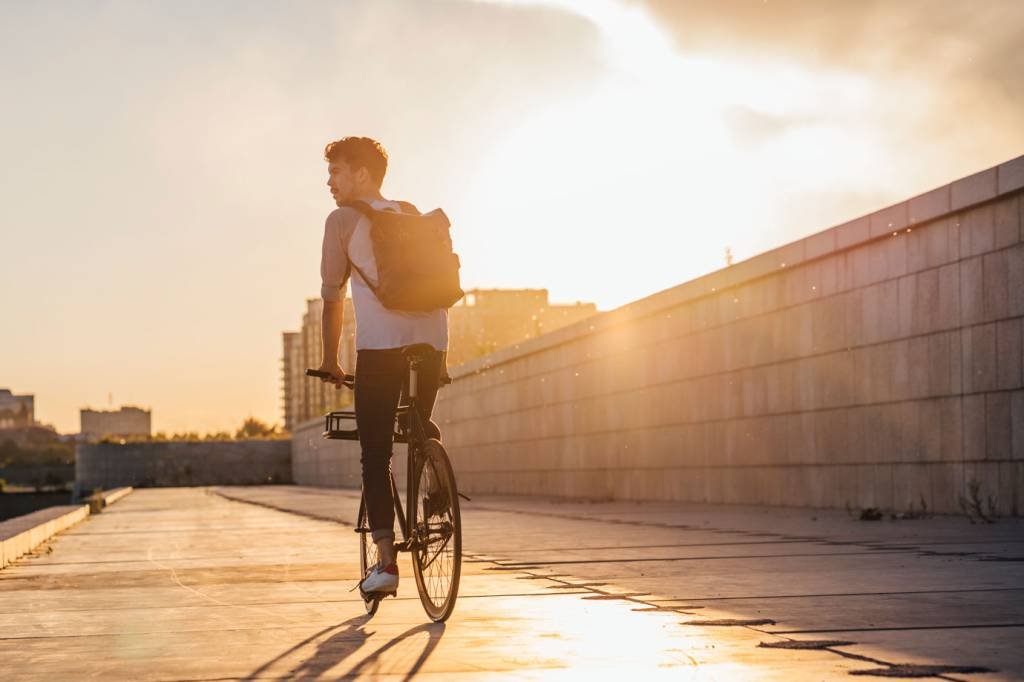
<point x="347" y="240"/>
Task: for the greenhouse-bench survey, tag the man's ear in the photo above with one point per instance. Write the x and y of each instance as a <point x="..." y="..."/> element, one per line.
<point x="363" y="176"/>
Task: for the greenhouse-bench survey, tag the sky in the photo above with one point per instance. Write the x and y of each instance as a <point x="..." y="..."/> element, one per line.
<point x="163" y="193"/>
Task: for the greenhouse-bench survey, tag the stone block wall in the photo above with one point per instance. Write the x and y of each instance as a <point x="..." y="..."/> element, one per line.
<point x="249" y="462"/>
<point x="877" y="363"/>
<point x="333" y="463"/>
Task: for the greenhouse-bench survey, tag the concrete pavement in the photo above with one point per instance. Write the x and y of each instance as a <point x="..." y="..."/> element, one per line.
<point x="186" y="584"/>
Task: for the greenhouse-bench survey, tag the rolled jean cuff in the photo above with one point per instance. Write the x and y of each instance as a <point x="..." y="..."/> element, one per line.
<point x="382" y="534"/>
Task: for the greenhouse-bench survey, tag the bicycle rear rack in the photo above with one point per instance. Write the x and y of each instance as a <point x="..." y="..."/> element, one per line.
<point x="336" y="423"/>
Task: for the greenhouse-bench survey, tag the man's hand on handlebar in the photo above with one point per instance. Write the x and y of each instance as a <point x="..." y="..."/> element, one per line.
<point x="332" y="373"/>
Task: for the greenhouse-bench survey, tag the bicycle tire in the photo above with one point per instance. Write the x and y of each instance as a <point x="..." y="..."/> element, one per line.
<point x="437" y="524"/>
<point x="367" y="556"/>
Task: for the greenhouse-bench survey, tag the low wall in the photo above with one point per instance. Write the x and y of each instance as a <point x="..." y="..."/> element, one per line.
<point x="250" y="462"/>
<point x="875" y="364"/>
<point x="43" y="475"/>
<point x="333" y="463"/>
<point x="22" y="534"/>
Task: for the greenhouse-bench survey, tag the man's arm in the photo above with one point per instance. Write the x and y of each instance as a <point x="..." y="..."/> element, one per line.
<point x="330" y="337"/>
<point x="334" y="272"/>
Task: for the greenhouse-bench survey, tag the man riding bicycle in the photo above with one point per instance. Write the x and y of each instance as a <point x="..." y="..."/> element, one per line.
<point x="356" y="168"/>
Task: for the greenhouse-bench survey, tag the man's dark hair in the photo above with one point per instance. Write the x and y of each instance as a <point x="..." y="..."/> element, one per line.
<point x="359" y="152"/>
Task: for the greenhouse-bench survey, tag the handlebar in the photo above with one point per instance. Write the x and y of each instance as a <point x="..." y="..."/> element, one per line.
<point x="350" y="379"/>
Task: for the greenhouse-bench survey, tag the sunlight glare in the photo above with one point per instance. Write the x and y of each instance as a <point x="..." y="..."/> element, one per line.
<point x="664" y="143"/>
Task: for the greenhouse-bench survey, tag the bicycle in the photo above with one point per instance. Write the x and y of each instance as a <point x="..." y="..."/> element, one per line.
<point x="430" y="524"/>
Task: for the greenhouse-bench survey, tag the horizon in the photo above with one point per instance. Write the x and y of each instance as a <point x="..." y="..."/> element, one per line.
<point x="164" y="205"/>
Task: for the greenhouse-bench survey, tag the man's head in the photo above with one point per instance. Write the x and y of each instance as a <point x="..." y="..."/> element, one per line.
<point x="355" y="168"/>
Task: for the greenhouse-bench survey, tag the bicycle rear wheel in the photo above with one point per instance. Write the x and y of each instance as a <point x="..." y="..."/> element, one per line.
<point x="367" y="556"/>
<point x="437" y="531"/>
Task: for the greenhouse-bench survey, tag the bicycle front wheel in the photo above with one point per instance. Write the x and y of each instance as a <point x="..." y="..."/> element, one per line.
<point x="437" y="531"/>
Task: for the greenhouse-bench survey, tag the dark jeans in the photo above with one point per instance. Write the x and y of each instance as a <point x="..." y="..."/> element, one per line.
<point x="381" y="380"/>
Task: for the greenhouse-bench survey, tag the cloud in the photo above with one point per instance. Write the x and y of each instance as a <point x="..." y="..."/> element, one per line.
<point x="967" y="52"/>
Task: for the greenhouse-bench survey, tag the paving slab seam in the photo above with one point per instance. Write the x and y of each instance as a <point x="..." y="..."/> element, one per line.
<point x="870" y="546"/>
<point x="903" y="628"/>
<point x="846" y="594"/>
<point x="270" y="505"/>
<point x="291" y="601"/>
<point x="562" y="562"/>
<point x="889" y="668"/>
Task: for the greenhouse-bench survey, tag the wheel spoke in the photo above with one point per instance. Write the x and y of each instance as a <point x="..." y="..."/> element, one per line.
<point x="437" y="553"/>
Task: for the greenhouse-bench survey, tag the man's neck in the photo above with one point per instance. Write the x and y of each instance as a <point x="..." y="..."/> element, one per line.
<point x="369" y="195"/>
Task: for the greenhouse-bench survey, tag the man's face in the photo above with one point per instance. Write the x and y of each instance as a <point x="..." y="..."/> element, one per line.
<point x="342" y="181"/>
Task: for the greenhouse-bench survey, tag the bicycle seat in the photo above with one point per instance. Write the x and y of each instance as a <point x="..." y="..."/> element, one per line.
<point x="418" y="351"/>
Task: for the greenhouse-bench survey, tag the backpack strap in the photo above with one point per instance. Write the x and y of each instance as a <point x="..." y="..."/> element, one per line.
<point x="368" y="283"/>
<point x="367" y="211"/>
<point x="362" y="207"/>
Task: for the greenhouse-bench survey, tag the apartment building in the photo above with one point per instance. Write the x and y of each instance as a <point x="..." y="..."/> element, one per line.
<point x="482" y="322"/>
<point x="125" y="422"/>
<point x="16" y="411"/>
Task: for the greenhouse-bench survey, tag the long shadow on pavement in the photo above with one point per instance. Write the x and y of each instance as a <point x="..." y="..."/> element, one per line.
<point x="348" y="639"/>
<point x="434" y="632"/>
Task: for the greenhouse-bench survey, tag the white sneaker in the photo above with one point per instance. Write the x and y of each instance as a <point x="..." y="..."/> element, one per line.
<point x="380" y="579"/>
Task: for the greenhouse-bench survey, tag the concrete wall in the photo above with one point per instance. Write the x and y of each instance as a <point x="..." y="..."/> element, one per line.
<point x="877" y="363"/>
<point x="333" y="463"/>
<point x="250" y="462"/>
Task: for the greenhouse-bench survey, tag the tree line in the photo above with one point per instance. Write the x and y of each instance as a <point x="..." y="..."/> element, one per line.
<point x="37" y="446"/>
<point x="251" y="429"/>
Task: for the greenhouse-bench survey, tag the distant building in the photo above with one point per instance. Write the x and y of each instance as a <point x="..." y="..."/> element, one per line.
<point x="16" y="411"/>
<point x="305" y="397"/>
<point x="291" y="377"/>
<point x="488" y="319"/>
<point x="125" y="422"/>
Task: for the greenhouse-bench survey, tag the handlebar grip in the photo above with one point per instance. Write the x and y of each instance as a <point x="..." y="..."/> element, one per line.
<point x="348" y="379"/>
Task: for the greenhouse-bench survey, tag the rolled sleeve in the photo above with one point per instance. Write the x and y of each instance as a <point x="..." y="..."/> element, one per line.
<point x="334" y="265"/>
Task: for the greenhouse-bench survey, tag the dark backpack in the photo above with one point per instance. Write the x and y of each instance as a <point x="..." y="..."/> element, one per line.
<point x="416" y="269"/>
